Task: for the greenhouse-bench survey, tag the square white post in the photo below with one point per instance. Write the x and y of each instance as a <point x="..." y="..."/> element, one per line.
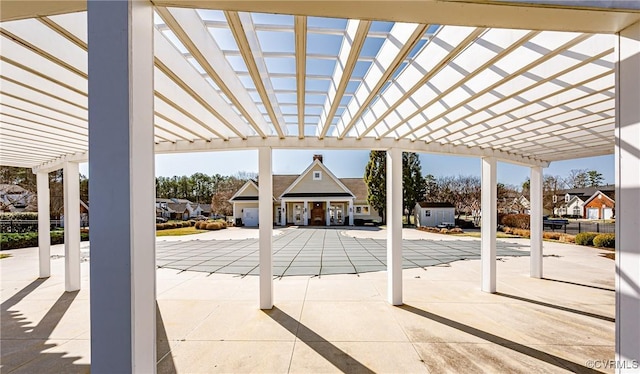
<point x="265" y="216"/>
<point x="394" y="226"/>
<point x="489" y="224"/>
<point x="327" y="217"/>
<point x="283" y="213"/>
<point x="350" y="212"/>
<point x="71" y="188"/>
<point x="305" y="208"/>
<point x="122" y="187"/>
<point x="535" y="225"/>
<point x="627" y="156"/>
<point x="44" y="225"/>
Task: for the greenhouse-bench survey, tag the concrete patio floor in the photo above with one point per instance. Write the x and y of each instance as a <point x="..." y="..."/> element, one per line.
<point x="211" y="323"/>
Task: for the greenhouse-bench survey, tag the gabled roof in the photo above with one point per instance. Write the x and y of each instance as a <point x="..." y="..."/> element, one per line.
<point x="181" y="201"/>
<point x="316" y="163"/>
<point x="425" y="204"/>
<point x="178" y="207"/>
<point x="607" y="195"/>
<point x="237" y="196"/>
<point x="358" y="188"/>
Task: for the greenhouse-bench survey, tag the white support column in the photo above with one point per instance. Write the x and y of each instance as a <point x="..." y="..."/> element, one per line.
<point x="283" y="213"/>
<point x="350" y="212"/>
<point x="265" y="209"/>
<point x="394" y="226"/>
<point x="305" y="212"/>
<point x="489" y="224"/>
<point x="71" y="187"/>
<point x="535" y="188"/>
<point x="122" y="187"/>
<point x="328" y="214"/>
<point x="627" y="158"/>
<point x="44" y="225"/>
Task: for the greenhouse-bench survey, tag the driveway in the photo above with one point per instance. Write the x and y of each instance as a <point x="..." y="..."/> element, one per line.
<point x="318" y="251"/>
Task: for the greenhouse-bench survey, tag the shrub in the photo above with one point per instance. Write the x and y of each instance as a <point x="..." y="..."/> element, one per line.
<point x="160" y="226"/>
<point x="552" y="235"/>
<point x="605" y="241"/>
<point x="191" y="222"/>
<point x="519" y="221"/>
<point x="456" y="230"/>
<point x="30" y="239"/>
<point x="213" y="226"/>
<point x="585" y="238"/>
<point x="223" y="223"/>
<point x="568" y="238"/>
<point x="521" y="232"/>
<point x="464" y="224"/>
<point x="29" y="216"/>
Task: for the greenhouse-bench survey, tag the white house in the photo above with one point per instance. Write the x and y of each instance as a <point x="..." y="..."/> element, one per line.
<point x="316" y="197"/>
<point x="435" y="214"/>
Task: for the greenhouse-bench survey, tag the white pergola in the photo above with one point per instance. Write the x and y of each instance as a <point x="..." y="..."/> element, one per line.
<point x="501" y="80"/>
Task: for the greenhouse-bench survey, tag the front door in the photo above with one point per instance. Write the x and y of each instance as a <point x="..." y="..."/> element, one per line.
<point x="298" y="217"/>
<point x="317" y="215"/>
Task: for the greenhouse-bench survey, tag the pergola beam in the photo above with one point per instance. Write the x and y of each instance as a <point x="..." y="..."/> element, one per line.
<point x="352" y="43"/>
<point x="190" y="30"/>
<point x="245" y="35"/>
<point x="401" y="40"/>
<point x="300" y="26"/>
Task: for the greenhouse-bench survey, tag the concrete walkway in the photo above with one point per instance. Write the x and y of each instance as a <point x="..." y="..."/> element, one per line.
<point x="211" y="323"/>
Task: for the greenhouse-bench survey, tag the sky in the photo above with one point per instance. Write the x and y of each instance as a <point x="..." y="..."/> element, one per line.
<point x="351" y="163"/>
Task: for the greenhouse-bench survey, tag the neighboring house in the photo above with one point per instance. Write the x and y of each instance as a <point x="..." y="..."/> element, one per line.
<point x="514" y="205"/>
<point x="162" y="208"/>
<point x="205" y="209"/>
<point x="600" y="205"/>
<point x="177" y="209"/>
<point x="434" y="214"/>
<point x="14" y="198"/>
<point x="571" y="202"/>
<point x="316" y="197"/>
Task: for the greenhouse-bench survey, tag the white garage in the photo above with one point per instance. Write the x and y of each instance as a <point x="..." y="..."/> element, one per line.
<point x="250" y="216"/>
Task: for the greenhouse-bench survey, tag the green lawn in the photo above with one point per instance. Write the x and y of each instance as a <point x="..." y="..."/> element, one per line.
<point x="180" y="231"/>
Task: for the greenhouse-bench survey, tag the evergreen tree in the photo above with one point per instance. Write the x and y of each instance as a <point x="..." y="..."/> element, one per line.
<point x="595" y="178"/>
<point x="375" y="176"/>
<point x="413" y="183"/>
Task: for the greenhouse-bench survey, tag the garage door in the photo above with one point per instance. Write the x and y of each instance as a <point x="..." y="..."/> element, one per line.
<point x="607" y="213"/>
<point x="250" y="216"/>
<point x="592" y="213"/>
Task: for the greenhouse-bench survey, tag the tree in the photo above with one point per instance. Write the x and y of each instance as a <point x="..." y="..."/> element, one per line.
<point x="594" y="178"/>
<point x="551" y="184"/>
<point x="375" y="177"/>
<point x="413" y="184"/>
<point x="225" y="188"/>
<point x="577" y="178"/>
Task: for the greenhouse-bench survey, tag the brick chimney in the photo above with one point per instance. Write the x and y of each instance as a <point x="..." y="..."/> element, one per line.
<point x="317" y="157"/>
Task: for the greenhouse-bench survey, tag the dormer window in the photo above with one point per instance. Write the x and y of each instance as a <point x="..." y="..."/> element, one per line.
<point x="317" y="175"/>
<point x="567" y="197"/>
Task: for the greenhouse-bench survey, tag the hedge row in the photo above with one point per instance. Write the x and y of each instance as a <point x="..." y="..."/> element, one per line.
<point x="174" y="225"/>
<point x="518" y="221"/>
<point x="208" y="225"/>
<point x="596" y="240"/>
<point x="16" y="216"/>
<point x="30" y="239"/>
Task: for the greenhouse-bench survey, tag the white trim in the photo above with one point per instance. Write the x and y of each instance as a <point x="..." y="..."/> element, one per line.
<point x="250" y="182"/>
<point x="326" y="170"/>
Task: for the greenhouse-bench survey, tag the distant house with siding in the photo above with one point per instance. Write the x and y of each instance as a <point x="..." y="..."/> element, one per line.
<point x="316" y="197"/>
